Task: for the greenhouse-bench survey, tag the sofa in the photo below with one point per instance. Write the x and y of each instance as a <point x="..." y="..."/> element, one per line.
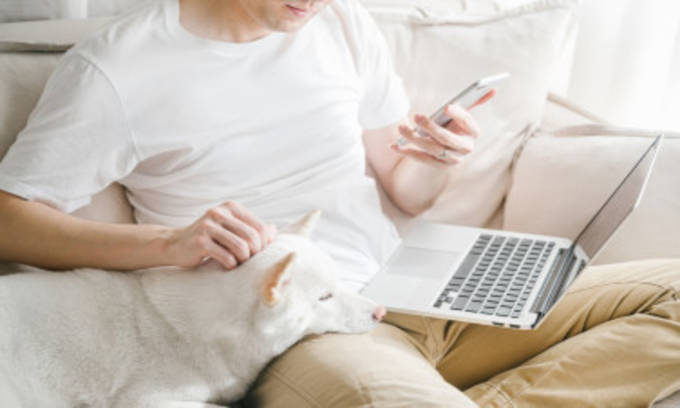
<point x="542" y="164"/>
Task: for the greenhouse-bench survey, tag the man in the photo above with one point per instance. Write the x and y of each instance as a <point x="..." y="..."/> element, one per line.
<point x="271" y="107"/>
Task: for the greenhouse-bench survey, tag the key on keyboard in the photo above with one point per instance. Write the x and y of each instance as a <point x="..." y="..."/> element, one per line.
<point x="496" y="276"/>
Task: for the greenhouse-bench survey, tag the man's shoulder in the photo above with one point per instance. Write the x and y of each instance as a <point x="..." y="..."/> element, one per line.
<point x="358" y="26"/>
<point x="126" y="40"/>
<point x="349" y="11"/>
<point x="355" y="25"/>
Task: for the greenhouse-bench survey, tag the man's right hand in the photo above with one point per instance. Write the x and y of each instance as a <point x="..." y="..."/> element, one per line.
<point x="36" y="234"/>
<point x="228" y="233"/>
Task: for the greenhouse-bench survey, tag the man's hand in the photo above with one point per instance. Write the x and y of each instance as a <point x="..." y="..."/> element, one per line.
<point x="442" y="146"/>
<point x="414" y="176"/>
<point x="228" y="233"/>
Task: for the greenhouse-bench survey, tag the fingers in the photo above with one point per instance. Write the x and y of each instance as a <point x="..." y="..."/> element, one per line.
<point x="271" y="232"/>
<point x="431" y="149"/>
<point x="441" y="145"/>
<point x="483" y="99"/>
<point x="243" y="214"/>
<point x="422" y="157"/>
<point x="230" y="228"/>
<point x="445" y="137"/>
<point x="462" y="121"/>
<point x="221" y="255"/>
<point x="235" y="244"/>
<point x="236" y="234"/>
<point x="225" y="257"/>
<point x="228" y="233"/>
<point x="425" y="143"/>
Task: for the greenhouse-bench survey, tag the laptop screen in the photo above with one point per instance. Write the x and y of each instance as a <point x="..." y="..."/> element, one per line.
<point x="619" y="205"/>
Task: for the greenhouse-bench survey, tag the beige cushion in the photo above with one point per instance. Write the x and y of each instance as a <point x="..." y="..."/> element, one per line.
<point x="439" y="48"/>
<point x="22" y="78"/>
<point x="23" y="10"/>
<point x="19" y="10"/>
<point x="442" y="46"/>
<point x="51" y="36"/>
<point x="560" y="182"/>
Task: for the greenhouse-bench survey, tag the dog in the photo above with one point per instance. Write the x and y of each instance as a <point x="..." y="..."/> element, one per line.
<point x="168" y="337"/>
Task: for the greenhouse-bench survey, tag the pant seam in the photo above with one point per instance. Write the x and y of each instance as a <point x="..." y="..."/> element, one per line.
<point x="522" y="390"/>
<point x="303" y="395"/>
<point x="506" y="398"/>
<point x="675" y="294"/>
<point x="438" y="348"/>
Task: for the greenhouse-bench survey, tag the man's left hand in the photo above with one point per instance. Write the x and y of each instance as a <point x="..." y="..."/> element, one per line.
<point x="442" y="146"/>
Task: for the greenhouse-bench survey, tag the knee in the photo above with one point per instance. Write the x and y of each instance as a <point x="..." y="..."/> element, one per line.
<point x="661" y="272"/>
<point x="275" y="391"/>
<point x="353" y="371"/>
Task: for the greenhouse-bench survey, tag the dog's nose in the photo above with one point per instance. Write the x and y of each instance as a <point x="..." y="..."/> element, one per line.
<point x="379" y="313"/>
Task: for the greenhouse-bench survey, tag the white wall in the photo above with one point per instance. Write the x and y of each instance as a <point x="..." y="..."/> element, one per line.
<point x="626" y="64"/>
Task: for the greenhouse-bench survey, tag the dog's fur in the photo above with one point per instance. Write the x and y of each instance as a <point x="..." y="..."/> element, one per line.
<point x="166" y="336"/>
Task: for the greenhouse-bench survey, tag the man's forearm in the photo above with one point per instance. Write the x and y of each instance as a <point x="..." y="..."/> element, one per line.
<point x="414" y="186"/>
<point x="35" y="234"/>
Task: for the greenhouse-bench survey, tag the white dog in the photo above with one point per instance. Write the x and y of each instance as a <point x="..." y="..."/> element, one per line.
<point x="167" y="337"/>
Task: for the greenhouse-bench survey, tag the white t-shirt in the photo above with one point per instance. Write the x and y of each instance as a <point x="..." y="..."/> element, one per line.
<point x="186" y="123"/>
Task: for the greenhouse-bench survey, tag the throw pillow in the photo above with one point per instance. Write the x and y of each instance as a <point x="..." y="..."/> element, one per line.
<point x="440" y="47"/>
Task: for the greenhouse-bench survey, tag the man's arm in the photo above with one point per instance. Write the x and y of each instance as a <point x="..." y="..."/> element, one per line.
<point x="37" y="234"/>
<point x="414" y="177"/>
<point x="412" y="185"/>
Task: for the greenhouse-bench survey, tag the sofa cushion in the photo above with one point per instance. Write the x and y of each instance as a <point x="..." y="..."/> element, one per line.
<point x="439" y="47"/>
<point x="47" y="36"/>
<point x="24" y="10"/>
<point x="22" y="78"/>
<point x="442" y="46"/>
<point x="21" y="10"/>
<point x="560" y="182"/>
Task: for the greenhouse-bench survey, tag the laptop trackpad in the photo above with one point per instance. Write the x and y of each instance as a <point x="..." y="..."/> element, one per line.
<point x="425" y="263"/>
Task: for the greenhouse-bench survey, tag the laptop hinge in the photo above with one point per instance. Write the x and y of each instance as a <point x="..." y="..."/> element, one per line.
<point x="553" y="284"/>
<point x="564" y="276"/>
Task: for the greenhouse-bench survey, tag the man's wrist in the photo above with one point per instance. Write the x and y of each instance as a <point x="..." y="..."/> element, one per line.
<point x="416" y="186"/>
<point x="159" y="248"/>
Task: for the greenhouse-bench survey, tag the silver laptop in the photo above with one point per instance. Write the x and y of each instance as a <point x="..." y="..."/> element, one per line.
<point x="497" y="277"/>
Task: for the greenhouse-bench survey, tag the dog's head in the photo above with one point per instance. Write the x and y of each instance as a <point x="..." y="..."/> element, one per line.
<point x="300" y="288"/>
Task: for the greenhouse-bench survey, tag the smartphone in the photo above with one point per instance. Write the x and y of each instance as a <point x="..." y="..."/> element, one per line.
<point x="467" y="98"/>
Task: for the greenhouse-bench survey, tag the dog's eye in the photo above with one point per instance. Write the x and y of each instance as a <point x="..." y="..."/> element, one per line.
<point x="325" y="297"/>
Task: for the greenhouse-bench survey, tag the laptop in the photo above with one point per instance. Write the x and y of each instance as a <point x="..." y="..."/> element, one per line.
<point x="497" y="277"/>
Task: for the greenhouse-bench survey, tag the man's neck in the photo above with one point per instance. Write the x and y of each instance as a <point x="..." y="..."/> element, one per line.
<point x="219" y="20"/>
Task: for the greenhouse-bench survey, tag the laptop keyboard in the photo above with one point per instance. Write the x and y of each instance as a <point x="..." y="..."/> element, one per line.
<point x="497" y="276"/>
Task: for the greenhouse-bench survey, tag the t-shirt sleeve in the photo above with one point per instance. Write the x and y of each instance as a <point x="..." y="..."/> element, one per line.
<point x="384" y="100"/>
<point x="76" y="142"/>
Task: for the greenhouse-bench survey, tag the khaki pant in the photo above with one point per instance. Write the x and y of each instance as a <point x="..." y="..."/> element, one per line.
<point x="613" y="340"/>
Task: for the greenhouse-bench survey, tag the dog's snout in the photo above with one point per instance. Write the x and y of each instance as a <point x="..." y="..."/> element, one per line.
<point x="379" y="313"/>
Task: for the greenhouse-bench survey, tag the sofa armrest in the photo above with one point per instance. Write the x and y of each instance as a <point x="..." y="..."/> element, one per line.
<point x="561" y="112"/>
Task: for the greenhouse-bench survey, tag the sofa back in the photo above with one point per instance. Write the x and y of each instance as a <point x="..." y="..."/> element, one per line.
<point x="439" y="47"/>
<point x="29" y="51"/>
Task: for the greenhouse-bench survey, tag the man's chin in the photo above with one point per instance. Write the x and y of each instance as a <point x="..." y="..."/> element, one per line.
<point x="291" y="26"/>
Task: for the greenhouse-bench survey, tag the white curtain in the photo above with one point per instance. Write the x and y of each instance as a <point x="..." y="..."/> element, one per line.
<point x="626" y="64"/>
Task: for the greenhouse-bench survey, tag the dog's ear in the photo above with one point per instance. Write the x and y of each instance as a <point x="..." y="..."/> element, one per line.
<point x="277" y="278"/>
<point x="304" y="225"/>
